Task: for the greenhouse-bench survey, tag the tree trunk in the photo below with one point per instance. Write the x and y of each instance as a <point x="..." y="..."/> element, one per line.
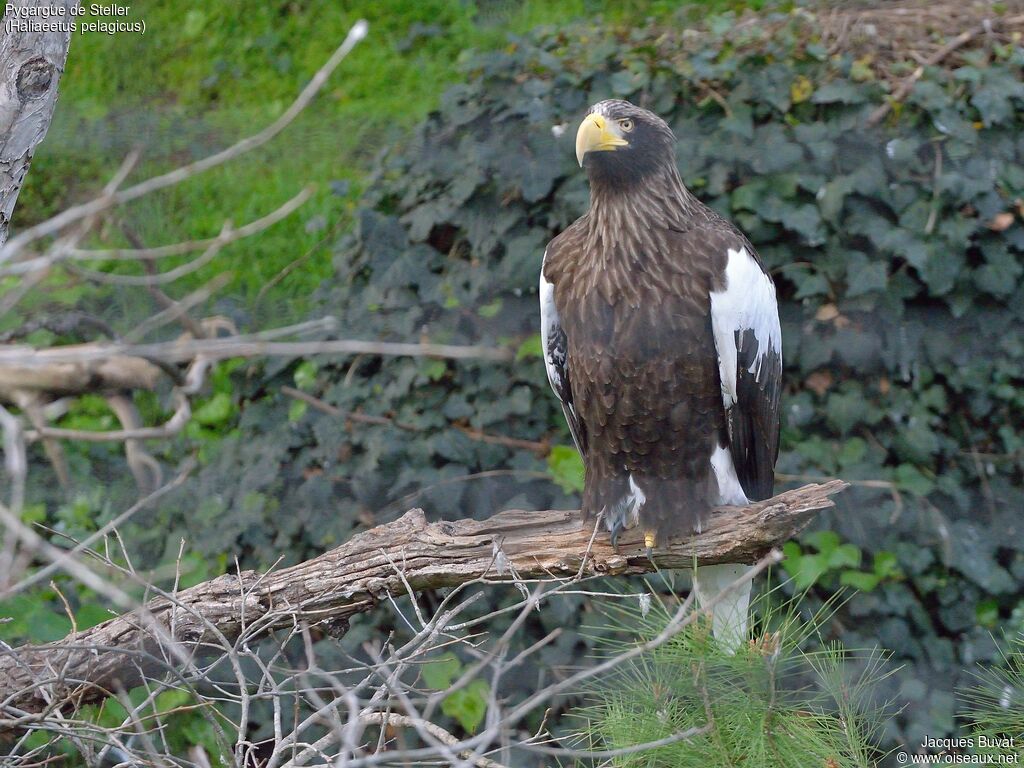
<point x="31" y="63"/>
<point x="391" y="559"/>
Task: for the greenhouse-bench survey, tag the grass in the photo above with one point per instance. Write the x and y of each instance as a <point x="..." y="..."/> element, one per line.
<point x="202" y="76"/>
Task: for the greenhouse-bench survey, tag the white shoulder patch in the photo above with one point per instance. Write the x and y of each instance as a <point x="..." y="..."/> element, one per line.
<point x="746" y="303"/>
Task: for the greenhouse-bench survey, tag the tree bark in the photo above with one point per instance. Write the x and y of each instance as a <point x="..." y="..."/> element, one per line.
<point x="390" y="559"/>
<point x="31" y="63"/>
<point x="115" y="373"/>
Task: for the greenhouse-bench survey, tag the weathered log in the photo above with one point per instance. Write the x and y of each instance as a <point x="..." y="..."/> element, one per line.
<point x="390" y="559"/>
<point x="31" y="62"/>
<point x="115" y="373"/>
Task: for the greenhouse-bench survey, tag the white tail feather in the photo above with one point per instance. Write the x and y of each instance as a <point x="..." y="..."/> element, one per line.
<point x="730" y="611"/>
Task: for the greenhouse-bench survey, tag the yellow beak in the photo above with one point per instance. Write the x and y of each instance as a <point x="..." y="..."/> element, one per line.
<point x="594" y="136"/>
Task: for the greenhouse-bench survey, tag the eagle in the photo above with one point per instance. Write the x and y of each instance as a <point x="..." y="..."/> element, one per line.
<point x="661" y="338"/>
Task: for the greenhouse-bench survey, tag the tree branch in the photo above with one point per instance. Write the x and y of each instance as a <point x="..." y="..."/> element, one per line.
<point x="71" y="215"/>
<point x="31" y="63"/>
<point x="386" y="561"/>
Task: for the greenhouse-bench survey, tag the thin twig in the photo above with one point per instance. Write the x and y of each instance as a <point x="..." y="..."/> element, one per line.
<point x="473" y="434"/>
<point x="907" y="85"/>
<point x="174" y="425"/>
<point x="178" y="175"/>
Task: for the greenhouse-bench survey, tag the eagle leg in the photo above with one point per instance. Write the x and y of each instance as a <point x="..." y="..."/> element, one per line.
<point x="649" y="542"/>
<point x="616" y="530"/>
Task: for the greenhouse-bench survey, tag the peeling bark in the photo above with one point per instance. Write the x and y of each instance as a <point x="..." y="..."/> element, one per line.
<point x="328" y="590"/>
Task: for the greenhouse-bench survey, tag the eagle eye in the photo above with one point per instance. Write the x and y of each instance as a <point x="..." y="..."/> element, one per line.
<point x="626" y="124"/>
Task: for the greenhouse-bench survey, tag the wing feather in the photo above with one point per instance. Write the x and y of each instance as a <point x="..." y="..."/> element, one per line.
<point x="748" y="338"/>
<point x="556" y="360"/>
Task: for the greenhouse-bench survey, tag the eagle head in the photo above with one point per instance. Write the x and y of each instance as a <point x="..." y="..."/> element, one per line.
<point x="620" y="143"/>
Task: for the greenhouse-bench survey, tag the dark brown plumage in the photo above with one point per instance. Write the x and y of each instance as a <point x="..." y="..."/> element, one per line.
<point x="641" y="298"/>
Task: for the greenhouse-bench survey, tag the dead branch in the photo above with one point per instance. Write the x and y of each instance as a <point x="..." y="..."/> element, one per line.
<point x="114" y="373"/>
<point x="245" y="345"/>
<point x="408" y="555"/>
<point x="907" y="85"/>
<point x="227" y="236"/>
<point x="76" y="369"/>
<point x="31" y="63"/>
<point x="176" y="176"/>
<point x="439" y="733"/>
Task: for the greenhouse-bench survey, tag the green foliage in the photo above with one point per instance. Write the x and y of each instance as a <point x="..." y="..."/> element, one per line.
<point x="996" y="706"/>
<point x="899" y="304"/>
<point x="566" y="467"/>
<point x="185" y="725"/>
<point x="771" y="704"/>
<point x="32" y="618"/>
<point x="201" y="78"/>
<point x="901" y="307"/>
<point x="831" y="559"/>
<point x="467" y="704"/>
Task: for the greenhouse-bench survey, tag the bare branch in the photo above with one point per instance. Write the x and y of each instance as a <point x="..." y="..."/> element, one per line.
<point x="177" y="422"/>
<point x="176" y="176"/>
<point x="226" y="347"/>
<point x="159" y="252"/>
<point x="356" y="576"/>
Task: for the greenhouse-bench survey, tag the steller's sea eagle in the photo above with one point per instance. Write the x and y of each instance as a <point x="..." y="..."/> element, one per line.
<point x="661" y="338"/>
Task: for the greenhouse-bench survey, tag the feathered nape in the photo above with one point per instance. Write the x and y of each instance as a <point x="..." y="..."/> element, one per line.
<point x="627" y="231"/>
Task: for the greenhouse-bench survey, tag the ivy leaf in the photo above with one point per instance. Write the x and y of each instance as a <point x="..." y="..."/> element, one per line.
<point x="296" y="410"/>
<point x="994" y="100"/>
<point x="823" y="541"/>
<point x="530" y="347"/>
<point x="31" y="618"/>
<point x="215" y="411"/>
<point x="468" y="705"/>
<point x="439" y="673"/>
<point x="845" y="556"/>
<point x="565" y="465"/>
<point x="839" y="91"/>
<point x="801" y="89"/>
<point x="491" y="309"/>
<point x="625" y="83"/>
<point x="987" y="613"/>
<point x="859" y="580"/>
<point x="806" y="570"/>
<point x="1001" y="271"/>
<point x="852" y="452"/>
<point x="305" y="375"/>
<point x="909" y="478"/>
<point x="872" y="276"/>
<point x="434" y="370"/>
<point x="831" y="196"/>
<point x="749" y="196"/>
<point x="91" y="614"/>
<point x="886" y="565"/>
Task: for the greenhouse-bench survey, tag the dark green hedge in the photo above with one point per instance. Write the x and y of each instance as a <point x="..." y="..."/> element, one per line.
<point x="899" y="273"/>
